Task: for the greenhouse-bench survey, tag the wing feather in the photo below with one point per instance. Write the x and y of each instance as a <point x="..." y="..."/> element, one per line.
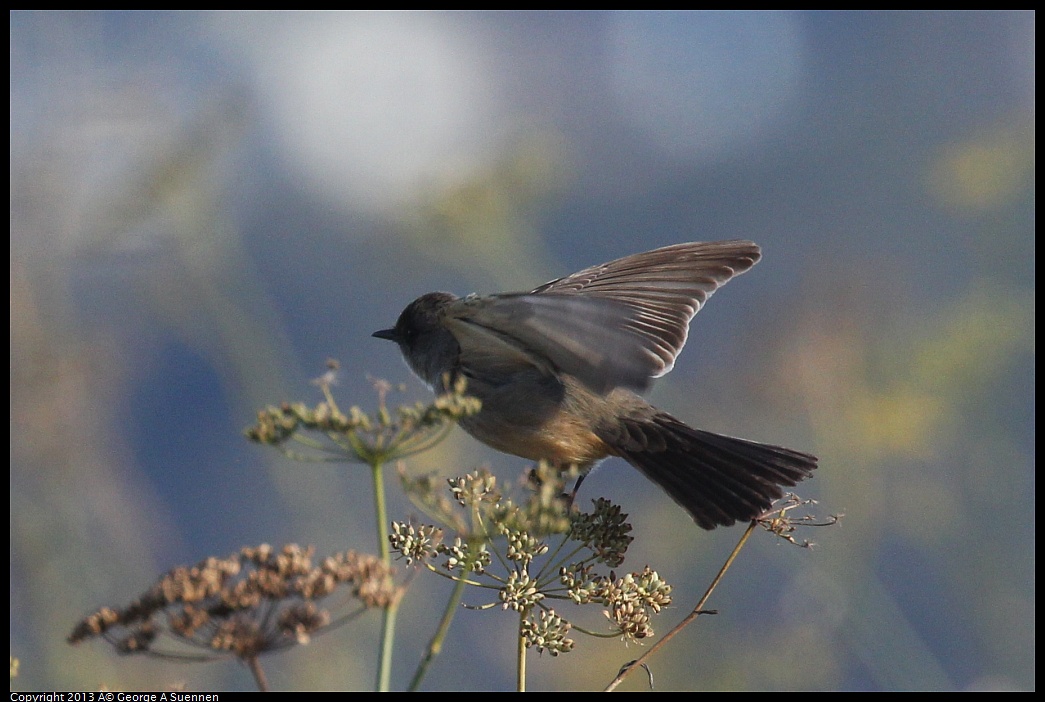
<point x="618" y="324"/>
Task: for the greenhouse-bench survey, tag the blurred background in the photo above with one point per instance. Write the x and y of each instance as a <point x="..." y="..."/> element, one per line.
<point x="205" y="206"/>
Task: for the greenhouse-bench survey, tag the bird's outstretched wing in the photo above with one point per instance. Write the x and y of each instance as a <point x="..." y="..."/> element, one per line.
<point x="618" y="324"/>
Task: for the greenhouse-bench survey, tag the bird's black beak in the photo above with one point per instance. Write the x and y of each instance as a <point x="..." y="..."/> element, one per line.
<point x="389" y="334"/>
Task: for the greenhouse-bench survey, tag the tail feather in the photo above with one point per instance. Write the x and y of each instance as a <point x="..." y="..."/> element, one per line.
<point x="717" y="479"/>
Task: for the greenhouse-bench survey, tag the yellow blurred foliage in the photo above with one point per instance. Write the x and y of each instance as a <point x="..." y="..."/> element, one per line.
<point x="987" y="171"/>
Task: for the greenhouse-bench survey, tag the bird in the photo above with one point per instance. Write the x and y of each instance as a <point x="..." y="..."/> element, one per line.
<point x="560" y="370"/>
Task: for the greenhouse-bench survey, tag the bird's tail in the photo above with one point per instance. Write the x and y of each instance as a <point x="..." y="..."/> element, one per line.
<point x="717" y="479"/>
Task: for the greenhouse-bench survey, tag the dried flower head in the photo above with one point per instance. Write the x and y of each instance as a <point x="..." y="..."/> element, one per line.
<point x="477" y="487"/>
<point x="778" y="520"/>
<point x="415" y="543"/>
<point x="332" y="435"/>
<point x="465" y="555"/>
<point x="547" y="631"/>
<point x="604" y="530"/>
<point x="520" y="592"/>
<point x="255" y="601"/>
<point x="535" y="551"/>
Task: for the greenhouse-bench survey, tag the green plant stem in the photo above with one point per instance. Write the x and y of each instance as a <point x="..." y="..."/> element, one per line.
<point x="435" y="646"/>
<point x="520" y="680"/>
<point x="388" y="627"/>
<point x="258" y="673"/>
<point x="697" y="611"/>
<point x="388" y="621"/>
<point x="381" y="513"/>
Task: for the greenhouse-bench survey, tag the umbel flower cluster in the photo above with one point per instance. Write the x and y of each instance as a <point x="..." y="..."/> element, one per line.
<point x="325" y="433"/>
<point x="255" y="601"/>
<point x="526" y="555"/>
<point x="533" y="554"/>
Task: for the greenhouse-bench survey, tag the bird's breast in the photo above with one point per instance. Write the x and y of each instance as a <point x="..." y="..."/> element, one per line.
<point x="560" y="438"/>
<point x="539" y="417"/>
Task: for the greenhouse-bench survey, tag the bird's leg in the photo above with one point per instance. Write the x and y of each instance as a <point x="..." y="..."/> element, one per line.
<point x="573" y="493"/>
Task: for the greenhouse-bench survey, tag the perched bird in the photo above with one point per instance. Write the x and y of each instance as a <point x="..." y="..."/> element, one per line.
<point x="558" y="370"/>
